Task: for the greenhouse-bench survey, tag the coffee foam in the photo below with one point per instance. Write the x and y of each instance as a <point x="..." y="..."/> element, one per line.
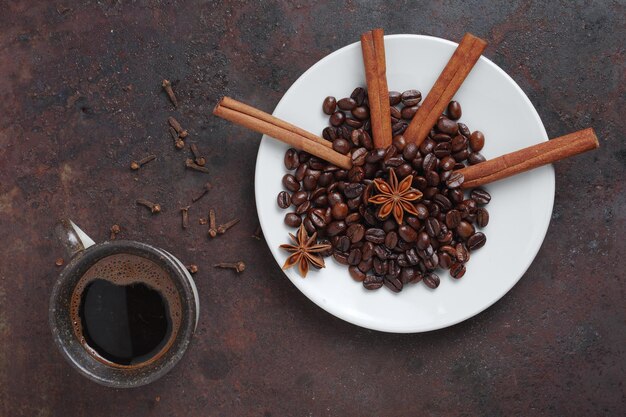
<point x="126" y="269"/>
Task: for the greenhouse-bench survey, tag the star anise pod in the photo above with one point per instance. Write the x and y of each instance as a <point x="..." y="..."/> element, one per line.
<point x="395" y="198"/>
<point x="305" y="251"/>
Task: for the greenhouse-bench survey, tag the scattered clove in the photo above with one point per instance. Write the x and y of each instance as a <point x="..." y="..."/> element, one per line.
<point x="237" y="266"/>
<point x="258" y="233"/>
<point x="154" y="208"/>
<point x="182" y="133"/>
<point x="222" y="228"/>
<point x="178" y="142"/>
<point x="135" y="165"/>
<point x="167" y="86"/>
<point x="115" y="229"/>
<point x="192" y="165"/>
<point x="207" y="187"/>
<point x="59" y="262"/>
<point x="193" y="268"/>
<point x="200" y="160"/>
<point x="185" y="214"/>
<point x="212" y="227"/>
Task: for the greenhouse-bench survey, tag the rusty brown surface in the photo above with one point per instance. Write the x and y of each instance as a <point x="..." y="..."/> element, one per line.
<point x="80" y="97"/>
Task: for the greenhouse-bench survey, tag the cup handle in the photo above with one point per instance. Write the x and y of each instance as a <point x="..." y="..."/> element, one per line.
<point x="73" y="239"/>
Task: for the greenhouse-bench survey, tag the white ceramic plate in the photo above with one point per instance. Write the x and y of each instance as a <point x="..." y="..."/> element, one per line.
<point x="520" y="208"/>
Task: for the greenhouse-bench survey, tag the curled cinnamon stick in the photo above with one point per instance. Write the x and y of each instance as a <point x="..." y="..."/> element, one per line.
<point x="373" y="47"/>
<point x="529" y="158"/>
<point x="259" y="121"/>
<point x="456" y="70"/>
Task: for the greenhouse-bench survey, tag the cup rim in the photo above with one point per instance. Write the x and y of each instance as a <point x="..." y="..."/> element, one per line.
<point x="75" y="353"/>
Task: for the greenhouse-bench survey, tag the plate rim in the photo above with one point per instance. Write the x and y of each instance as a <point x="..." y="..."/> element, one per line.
<point x="420" y="328"/>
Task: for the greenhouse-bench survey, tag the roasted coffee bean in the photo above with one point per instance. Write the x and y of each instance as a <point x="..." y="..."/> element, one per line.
<point x="337" y="118"/>
<point x="447" y="126"/>
<point x="453" y="218"/>
<point x="464" y="229"/>
<point x="464" y="130"/>
<point x="408" y="112"/>
<point x="346" y="132"/>
<point x="394" y="284"/>
<point x="341" y="257"/>
<point x="442" y="150"/>
<point x="317" y="218"/>
<point x="358" y="156"/>
<point x="462" y="254"/>
<point x="353" y="218"/>
<point x="373" y="282"/>
<point x="394" y="161"/>
<point x="422" y="211"/>
<point x="447" y="163"/>
<point x="442" y="137"/>
<point x="399" y="142"/>
<point x="443" y="202"/>
<point x="375" y="235"/>
<point x="346" y="103"/>
<point x="431" y="280"/>
<point x="454" y="110"/>
<point x="456" y="180"/>
<point x="309" y="182"/>
<point x="413" y="221"/>
<point x="310" y="228"/>
<point x="427" y="146"/>
<point x="283" y="199"/>
<point x="361" y="112"/>
<point x="412" y="257"/>
<point x="375" y="156"/>
<point x="342" y="243"/>
<point x="407" y="233"/>
<point x="482" y="217"/>
<point x="366" y="140"/>
<point x="394" y="98"/>
<point x="380" y="252"/>
<point x="355" y="232"/>
<point x="290" y="183"/>
<point x="462" y="155"/>
<point x="342" y="146"/>
<point x="327" y="252"/>
<point x="336" y="227"/>
<point x="380" y="266"/>
<point x="404" y="170"/>
<point x="354" y="257"/>
<point x="481" y="196"/>
<point x="431" y="262"/>
<point x="291" y="159"/>
<point x="329" y="133"/>
<point x="356" y="273"/>
<point x="399" y="127"/>
<point x="395" y="114"/>
<point x="432" y="178"/>
<point x="475" y="158"/>
<point x="365" y="265"/>
<point x="292" y="220"/>
<point x="329" y="105"/>
<point x="410" y="151"/>
<point x="457" y="270"/>
<point x="391" y="240"/>
<point x="353" y="190"/>
<point x="430" y="162"/>
<point x="356" y="174"/>
<point x="335" y="198"/>
<point x="411" y="98"/>
<point x="423" y="240"/>
<point x="445" y="260"/>
<point x="476" y="241"/>
<point x="304" y="207"/>
<point x="367" y="250"/>
<point x="432" y="226"/>
<point x="354" y="203"/>
<point x="358" y="95"/>
<point x="408" y="275"/>
<point x="455" y="195"/>
<point x="301" y="171"/>
<point x="477" y="140"/>
<point x="339" y="211"/>
<point x="353" y="123"/>
<point x="389" y="225"/>
<point x="459" y="142"/>
<point x="325" y="179"/>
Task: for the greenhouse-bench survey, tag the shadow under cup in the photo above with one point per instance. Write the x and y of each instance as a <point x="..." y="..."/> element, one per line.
<point x="97" y="369"/>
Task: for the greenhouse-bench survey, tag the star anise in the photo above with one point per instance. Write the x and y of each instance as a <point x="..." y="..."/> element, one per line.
<point x="395" y="198"/>
<point x="305" y="251"/>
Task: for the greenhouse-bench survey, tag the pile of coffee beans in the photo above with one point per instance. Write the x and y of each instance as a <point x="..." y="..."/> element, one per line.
<point x="334" y="202"/>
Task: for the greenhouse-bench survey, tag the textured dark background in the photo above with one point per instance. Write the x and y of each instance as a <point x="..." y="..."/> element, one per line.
<point x="80" y="97"/>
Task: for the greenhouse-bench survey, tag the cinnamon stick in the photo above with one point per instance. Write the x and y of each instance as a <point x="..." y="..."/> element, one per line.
<point x="528" y="158"/>
<point x="259" y="121"/>
<point x="373" y="47"/>
<point x="456" y="70"/>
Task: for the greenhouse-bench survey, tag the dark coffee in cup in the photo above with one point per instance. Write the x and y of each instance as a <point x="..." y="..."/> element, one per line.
<point x="125" y="310"/>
